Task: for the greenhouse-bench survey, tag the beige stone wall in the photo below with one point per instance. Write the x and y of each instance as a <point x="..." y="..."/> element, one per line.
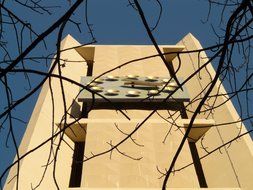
<point x="221" y="170"/>
<point x="230" y="168"/>
<point x="39" y="129"/>
<point x="120" y="171"/>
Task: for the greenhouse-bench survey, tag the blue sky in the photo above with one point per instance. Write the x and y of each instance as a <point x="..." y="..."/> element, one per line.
<point x="114" y="22"/>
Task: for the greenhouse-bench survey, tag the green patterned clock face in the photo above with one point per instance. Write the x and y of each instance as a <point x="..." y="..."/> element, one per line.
<point x="131" y="88"/>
